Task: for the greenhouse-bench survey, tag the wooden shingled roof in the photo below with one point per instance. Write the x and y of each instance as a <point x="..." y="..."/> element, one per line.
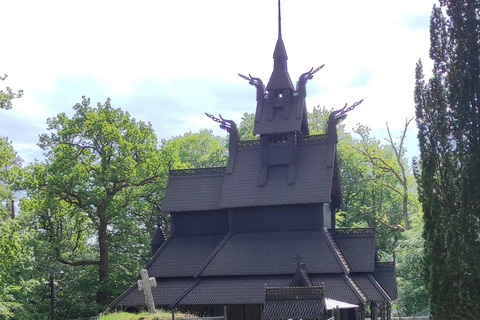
<point x="294" y="303"/>
<point x="268" y="253"/>
<point x="358" y="246"/>
<point x="173" y="292"/>
<point x="211" y="188"/>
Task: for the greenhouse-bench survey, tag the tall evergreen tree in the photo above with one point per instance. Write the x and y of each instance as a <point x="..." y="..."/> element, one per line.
<point x="448" y="119"/>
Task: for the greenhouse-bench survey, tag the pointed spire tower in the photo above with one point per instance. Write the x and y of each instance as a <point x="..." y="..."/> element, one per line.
<point x="280" y="79"/>
<point x="281" y="114"/>
<point x="280" y="109"/>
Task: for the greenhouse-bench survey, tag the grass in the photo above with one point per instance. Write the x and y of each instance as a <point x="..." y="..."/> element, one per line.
<point x="160" y="315"/>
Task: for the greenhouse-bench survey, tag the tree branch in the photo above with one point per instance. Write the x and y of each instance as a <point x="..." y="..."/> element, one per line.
<point x="79" y="263"/>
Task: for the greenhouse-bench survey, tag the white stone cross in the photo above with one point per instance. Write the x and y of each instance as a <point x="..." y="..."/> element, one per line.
<point x="146" y="284"/>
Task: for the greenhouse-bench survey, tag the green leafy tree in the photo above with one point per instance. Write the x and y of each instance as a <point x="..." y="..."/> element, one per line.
<point x="10" y="174"/>
<point x="97" y="196"/>
<point x="196" y="150"/>
<point x="245" y="128"/>
<point x="412" y="293"/>
<point x="378" y="188"/>
<point x="8" y="95"/>
<point x="448" y="120"/>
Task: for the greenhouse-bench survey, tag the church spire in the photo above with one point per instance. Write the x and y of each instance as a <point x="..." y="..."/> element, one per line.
<point x="279" y="21"/>
<point x="280" y="79"/>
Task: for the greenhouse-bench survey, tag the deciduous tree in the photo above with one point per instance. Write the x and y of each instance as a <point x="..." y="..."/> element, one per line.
<point x="93" y="196"/>
<point x="200" y="149"/>
<point x="8" y="95"/>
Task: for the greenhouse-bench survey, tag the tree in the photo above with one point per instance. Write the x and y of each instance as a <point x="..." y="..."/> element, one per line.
<point x="8" y="95"/>
<point x="10" y="173"/>
<point x="412" y="294"/>
<point x="448" y="174"/>
<point x="377" y="187"/>
<point x="390" y="160"/>
<point x="245" y="128"/>
<point x="12" y="233"/>
<point x="196" y="150"/>
<point x="102" y="171"/>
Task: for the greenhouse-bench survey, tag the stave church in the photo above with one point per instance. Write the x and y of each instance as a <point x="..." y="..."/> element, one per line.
<point x="265" y="223"/>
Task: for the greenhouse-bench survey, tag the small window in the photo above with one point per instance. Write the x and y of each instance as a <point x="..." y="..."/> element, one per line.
<point x="278" y="138"/>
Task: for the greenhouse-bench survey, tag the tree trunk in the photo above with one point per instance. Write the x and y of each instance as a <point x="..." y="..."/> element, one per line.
<point x="102" y="293"/>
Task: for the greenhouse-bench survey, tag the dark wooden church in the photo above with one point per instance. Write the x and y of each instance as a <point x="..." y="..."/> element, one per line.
<point x="265" y="220"/>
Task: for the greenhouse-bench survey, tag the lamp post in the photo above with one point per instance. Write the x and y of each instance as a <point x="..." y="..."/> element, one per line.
<point x="52" y="293"/>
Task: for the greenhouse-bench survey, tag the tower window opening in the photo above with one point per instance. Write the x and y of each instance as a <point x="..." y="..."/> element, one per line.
<point x="278" y="138"/>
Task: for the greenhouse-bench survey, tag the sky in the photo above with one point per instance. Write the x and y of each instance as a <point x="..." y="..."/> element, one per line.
<point x="168" y="62"/>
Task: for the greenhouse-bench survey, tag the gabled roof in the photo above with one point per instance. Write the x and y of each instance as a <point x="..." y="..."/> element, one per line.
<point x="229" y="290"/>
<point x="166" y="291"/>
<point x="313" y="178"/>
<point x="301" y="278"/>
<point x="385" y="273"/>
<point x="294" y="309"/>
<point x="279" y="123"/>
<point x="280" y="79"/>
<point x="194" y="190"/>
<point x="357" y="246"/>
<point x="294" y="303"/>
<point x="212" y="189"/>
<point x="338" y="287"/>
<point x="232" y="290"/>
<point x="371" y="288"/>
<point x="269" y="253"/>
<point x="182" y="256"/>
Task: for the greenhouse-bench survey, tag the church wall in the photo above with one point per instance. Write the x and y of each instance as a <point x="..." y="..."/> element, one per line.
<point x="199" y="222"/>
<point x="277" y="218"/>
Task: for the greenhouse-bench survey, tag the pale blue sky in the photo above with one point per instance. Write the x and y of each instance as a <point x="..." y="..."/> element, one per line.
<point x="168" y="62"/>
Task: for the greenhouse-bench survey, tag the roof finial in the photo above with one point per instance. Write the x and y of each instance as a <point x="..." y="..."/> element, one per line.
<point x="279" y="21"/>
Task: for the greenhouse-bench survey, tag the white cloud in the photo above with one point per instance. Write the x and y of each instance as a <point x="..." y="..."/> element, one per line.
<point x="57" y="50"/>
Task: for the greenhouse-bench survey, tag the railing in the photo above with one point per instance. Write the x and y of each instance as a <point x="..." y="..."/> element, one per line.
<point x="249" y="143"/>
<point x="314" y="137"/>
<point x="183" y="172"/>
<point x="352" y="231"/>
<point x="385" y="263"/>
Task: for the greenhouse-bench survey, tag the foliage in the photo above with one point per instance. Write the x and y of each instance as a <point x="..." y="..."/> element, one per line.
<point x="10" y="230"/>
<point x="10" y="174"/>
<point x="97" y="196"/>
<point x="196" y="150"/>
<point x="448" y="120"/>
<point x="317" y="121"/>
<point x="412" y="294"/>
<point x="8" y="95"/>
<point x="377" y="187"/>
<point x="245" y="128"/>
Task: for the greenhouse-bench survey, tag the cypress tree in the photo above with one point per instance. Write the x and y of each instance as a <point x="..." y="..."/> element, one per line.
<point x="448" y="120"/>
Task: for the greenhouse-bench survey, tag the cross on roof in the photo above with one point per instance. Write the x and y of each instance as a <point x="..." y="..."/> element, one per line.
<point x="298" y="257"/>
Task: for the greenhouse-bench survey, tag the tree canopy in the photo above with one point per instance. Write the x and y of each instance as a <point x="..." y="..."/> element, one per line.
<point x="102" y="180"/>
<point x="448" y="120"/>
<point x="8" y="95"/>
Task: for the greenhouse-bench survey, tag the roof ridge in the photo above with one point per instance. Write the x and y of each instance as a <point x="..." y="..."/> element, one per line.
<point x="339" y="255"/>
<point x="159" y="251"/>
<point x="212" y="255"/>
<point x="114" y="302"/>
<point x="184" y="293"/>
<point x="356" y="288"/>
<point x="379" y="287"/>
